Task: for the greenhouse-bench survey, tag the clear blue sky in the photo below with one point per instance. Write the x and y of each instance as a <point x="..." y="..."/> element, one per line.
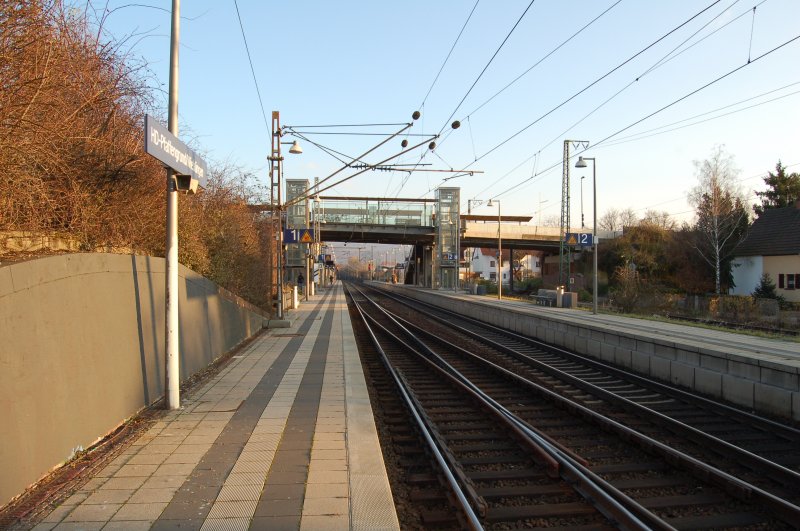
<point x="355" y="62"/>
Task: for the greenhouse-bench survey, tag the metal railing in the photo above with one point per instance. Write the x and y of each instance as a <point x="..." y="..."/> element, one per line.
<point x="378" y="212"/>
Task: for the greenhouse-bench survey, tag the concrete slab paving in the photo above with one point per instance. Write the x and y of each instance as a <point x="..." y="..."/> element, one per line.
<point x="265" y="444"/>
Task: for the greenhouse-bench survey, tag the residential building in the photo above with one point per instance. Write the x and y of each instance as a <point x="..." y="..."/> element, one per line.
<point x="772" y="246"/>
<point x="483" y="263"/>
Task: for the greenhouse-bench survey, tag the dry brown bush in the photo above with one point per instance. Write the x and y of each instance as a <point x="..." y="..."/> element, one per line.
<point x="72" y="159"/>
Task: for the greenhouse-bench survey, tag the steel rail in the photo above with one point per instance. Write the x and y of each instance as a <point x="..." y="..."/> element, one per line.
<point x="612" y="503"/>
<point x="737" y="487"/>
<point x="782" y="429"/>
<point x="753" y="461"/>
<point x="416" y="411"/>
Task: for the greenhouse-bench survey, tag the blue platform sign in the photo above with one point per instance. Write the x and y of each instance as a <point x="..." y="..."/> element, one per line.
<point x="579" y="239"/>
<point x="298" y="235"/>
<point x="166" y="147"/>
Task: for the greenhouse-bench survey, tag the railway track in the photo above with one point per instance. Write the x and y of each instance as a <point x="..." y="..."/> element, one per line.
<point x="593" y="435"/>
<point x="758" y="442"/>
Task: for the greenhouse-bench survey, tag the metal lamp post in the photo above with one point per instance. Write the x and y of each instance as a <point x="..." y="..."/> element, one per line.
<point x="499" y="253"/>
<point x="276" y="176"/>
<point x="582" y="164"/>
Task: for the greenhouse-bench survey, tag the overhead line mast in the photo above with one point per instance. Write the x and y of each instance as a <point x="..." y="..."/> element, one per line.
<point x="564" y="257"/>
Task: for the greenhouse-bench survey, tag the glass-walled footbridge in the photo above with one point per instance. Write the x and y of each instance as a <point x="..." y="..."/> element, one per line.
<point x="433" y="227"/>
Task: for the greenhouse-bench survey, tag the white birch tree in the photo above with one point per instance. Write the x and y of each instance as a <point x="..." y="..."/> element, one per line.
<point x="721" y="217"/>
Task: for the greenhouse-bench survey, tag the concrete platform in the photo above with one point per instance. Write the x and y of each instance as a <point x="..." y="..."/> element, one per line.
<point x="282" y="438"/>
<point x="756" y="373"/>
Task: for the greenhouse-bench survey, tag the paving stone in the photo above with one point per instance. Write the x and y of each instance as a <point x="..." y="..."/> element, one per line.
<point x="153" y="495"/>
<point x="58" y="514"/>
<point x="327" y="522"/>
<point x="93" y="513"/>
<point x="128" y="525"/>
<point x="125" y="483"/>
<point x="326" y="506"/>
<point x="104" y="496"/>
<point x="79" y="526"/>
<point x="233" y="509"/>
<point x="335" y="490"/>
<point x="140" y="511"/>
<point x="135" y="470"/>
<point x="280" y="523"/>
<point x="227" y="524"/>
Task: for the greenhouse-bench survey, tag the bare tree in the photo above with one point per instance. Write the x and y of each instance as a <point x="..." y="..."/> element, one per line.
<point x="628" y="218"/>
<point x="662" y="220"/>
<point x="610" y="220"/>
<point x="72" y="162"/>
<point x="615" y="220"/>
<point x="721" y="217"/>
<point x="552" y="221"/>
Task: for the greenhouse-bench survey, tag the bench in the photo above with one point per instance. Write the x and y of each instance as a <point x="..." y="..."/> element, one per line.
<point x="543" y="300"/>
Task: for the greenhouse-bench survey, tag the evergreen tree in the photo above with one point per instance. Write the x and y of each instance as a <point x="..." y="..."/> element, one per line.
<point x="783" y="190"/>
<point x="766" y="289"/>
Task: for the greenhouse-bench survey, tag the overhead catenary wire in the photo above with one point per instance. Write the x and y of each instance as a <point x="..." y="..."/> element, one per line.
<point x="596" y="81"/>
<point x="720" y="78"/>
<point x="360" y="157"/>
<point x="661" y="62"/>
<point x="750" y="194"/>
<point x="650" y="115"/>
<point x="395" y="124"/>
<point x="663" y="129"/>
<point x="669" y="56"/>
<point x="422" y="156"/>
<point x="544" y="58"/>
<point x="666" y="58"/>
<point x="310" y="192"/>
<point x="731" y="21"/>
<point x="453" y="47"/>
<point x="752" y="28"/>
<point x="658" y="63"/>
<point x="486" y="67"/>
<point x="342" y="133"/>
<point x="523" y="74"/>
<point x="252" y="70"/>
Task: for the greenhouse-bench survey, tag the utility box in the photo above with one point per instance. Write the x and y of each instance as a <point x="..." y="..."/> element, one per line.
<point x="569" y="299"/>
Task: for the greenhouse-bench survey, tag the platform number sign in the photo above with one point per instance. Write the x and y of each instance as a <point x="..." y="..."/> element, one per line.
<point x="579" y="239"/>
<point x="298" y="235"/>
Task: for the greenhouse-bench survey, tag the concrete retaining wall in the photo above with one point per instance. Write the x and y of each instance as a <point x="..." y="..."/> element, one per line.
<point x="82" y="349"/>
<point x="757" y="382"/>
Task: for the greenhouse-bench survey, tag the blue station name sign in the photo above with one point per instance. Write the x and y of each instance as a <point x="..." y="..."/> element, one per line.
<point x="166" y="147"/>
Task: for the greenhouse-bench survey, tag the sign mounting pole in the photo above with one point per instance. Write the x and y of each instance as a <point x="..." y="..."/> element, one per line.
<point x="172" y="374"/>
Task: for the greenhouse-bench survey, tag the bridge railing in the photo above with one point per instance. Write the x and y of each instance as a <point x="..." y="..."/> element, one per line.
<point x="378" y="212"/>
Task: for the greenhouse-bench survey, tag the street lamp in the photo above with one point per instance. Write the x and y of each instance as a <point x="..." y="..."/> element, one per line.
<point x="582" y="164"/>
<point x="276" y="176"/>
<point x="499" y="253"/>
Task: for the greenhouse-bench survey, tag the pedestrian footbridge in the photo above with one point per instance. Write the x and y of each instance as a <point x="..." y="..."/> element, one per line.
<point x="434" y="228"/>
<point x="414" y="221"/>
